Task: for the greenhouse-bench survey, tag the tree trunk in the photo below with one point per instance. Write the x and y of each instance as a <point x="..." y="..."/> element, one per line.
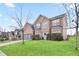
<point x="76" y="47"/>
<point x="33" y="33"/>
<point x="50" y="29"/>
<point x="22" y="35"/>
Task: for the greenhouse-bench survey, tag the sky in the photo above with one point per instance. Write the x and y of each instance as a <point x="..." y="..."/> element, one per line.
<point x="31" y="10"/>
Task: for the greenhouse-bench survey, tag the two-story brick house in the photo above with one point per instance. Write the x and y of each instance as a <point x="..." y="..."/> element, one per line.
<point x="42" y="26"/>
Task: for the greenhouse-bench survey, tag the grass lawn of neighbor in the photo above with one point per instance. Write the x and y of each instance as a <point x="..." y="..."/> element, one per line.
<point x="41" y="48"/>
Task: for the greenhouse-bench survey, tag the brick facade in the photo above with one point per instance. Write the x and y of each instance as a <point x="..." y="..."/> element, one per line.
<point x="42" y="26"/>
<point x="28" y="32"/>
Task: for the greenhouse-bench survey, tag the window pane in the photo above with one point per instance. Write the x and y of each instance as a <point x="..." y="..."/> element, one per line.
<point x="55" y="23"/>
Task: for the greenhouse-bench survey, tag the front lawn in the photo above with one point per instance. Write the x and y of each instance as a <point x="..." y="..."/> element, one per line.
<point x="42" y="48"/>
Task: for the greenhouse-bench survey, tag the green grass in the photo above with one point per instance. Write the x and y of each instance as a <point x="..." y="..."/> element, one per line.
<point x="42" y="48"/>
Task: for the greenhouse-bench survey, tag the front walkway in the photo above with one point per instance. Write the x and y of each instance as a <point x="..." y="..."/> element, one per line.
<point x="5" y="44"/>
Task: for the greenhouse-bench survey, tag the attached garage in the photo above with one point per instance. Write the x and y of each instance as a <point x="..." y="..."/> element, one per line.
<point x="28" y="31"/>
<point x="28" y="37"/>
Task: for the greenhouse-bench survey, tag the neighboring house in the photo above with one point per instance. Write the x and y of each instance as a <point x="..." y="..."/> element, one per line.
<point x="28" y="32"/>
<point x="17" y="33"/>
<point x="11" y="35"/>
<point x="14" y="35"/>
<point x="42" y="26"/>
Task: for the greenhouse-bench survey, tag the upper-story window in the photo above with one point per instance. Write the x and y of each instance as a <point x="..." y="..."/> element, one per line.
<point x="45" y="24"/>
<point x="56" y="22"/>
<point x="37" y="25"/>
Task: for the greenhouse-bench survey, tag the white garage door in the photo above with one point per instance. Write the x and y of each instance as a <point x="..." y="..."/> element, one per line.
<point x="27" y="37"/>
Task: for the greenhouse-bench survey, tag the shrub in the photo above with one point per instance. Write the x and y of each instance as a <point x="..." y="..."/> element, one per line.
<point x="55" y="36"/>
<point x="13" y="39"/>
<point x="37" y="37"/>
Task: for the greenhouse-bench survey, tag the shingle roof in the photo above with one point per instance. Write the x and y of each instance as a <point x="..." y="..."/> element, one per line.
<point x="53" y="18"/>
<point x="58" y="17"/>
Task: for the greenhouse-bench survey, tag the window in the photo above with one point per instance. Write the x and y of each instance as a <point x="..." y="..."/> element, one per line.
<point x="55" y="23"/>
<point x="45" y="24"/>
<point x="37" y="25"/>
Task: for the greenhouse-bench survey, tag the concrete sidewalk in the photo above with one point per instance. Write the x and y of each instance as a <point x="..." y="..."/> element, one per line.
<point x="2" y="54"/>
<point x="8" y="43"/>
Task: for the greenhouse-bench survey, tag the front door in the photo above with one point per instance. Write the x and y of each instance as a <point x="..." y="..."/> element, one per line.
<point x="45" y="36"/>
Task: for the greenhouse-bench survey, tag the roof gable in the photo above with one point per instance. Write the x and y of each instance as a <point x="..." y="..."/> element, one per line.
<point x="27" y="24"/>
<point x="40" y="19"/>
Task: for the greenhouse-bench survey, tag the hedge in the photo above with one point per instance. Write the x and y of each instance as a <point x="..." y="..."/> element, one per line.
<point x="55" y="36"/>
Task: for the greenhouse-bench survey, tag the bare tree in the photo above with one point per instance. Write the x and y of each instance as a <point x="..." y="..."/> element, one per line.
<point x="70" y="13"/>
<point x="75" y="15"/>
<point x="19" y="20"/>
<point x="76" y="12"/>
